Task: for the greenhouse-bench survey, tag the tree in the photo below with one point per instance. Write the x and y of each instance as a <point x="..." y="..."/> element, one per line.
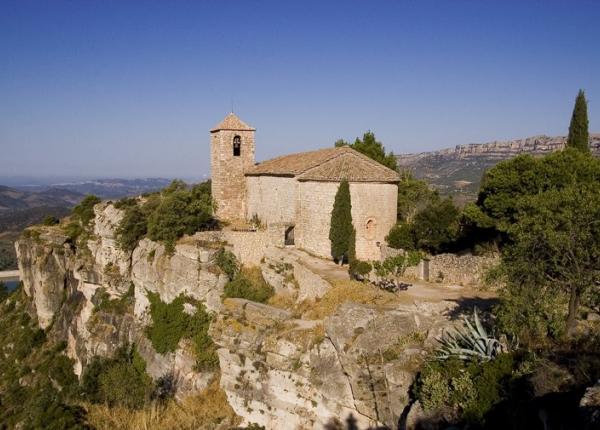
<point x="547" y="210"/>
<point x="341" y="230"/>
<point x="509" y="181"/>
<point x="555" y="244"/>
<point x="413" y="196"/>
<point x="436" y="226"/>
<point x="578" y="129"/>
<point x="373" y="149"/>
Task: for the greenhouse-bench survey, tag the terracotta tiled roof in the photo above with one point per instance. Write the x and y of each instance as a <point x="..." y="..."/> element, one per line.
<point x="232" y="122"/>
<point x="332" y="164"/>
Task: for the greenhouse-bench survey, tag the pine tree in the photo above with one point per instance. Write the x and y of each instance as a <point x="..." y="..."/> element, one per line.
<point x="578" y="129"/>
<point x="341" y="231"/>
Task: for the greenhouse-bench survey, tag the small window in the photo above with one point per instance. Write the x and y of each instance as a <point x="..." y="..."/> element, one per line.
<point x="370" y="228"/>
<point x="237" y="146"/>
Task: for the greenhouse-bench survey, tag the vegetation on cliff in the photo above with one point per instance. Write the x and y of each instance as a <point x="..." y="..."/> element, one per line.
<point x="165" y="216"/>
<point x="171" y="323"/>
<point x="38" y="389"/>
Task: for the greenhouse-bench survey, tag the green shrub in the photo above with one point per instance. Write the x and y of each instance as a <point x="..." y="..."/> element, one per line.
<point x="396" y="266"/>
<point x="126" y="202"/>
<point x="227" y="262"/>
<point x="132" y="228"/>
<point x="170" y="324"/>
<point x="121" y="305"/>
<point x="471" y="388"/>
<point x="401" y="237"/>
<point x="84" y="211"/>
<point x="166" y="216"/>
<point x="50" y="220"/>
<point x="73" y="230"/>
<point x="437" y="226"/>
<point x="118" y="381"/>
<point x="242" y="287"/>
<point x="360" y="268"/>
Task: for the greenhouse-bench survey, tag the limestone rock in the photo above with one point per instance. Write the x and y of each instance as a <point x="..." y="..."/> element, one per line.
<point x="281" y="372"/>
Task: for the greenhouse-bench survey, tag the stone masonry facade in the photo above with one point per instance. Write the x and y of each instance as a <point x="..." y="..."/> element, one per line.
<point x="295" y="193"/>
<point x="227" y="171"/>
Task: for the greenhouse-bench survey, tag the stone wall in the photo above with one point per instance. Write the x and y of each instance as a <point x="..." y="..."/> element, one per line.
<point x="249" y="246"/>
<point x="373" y="215"/>
<point x="315" y="203"/>
<point x="227" y="172"/>
<point x="272" y="198"/>
<point x="467" y="270"/>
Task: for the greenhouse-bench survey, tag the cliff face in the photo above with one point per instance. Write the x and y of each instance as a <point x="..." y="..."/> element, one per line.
<point x="64" y="282"/>
<point x="281" y="367"/>
<point x="459" y="169"/>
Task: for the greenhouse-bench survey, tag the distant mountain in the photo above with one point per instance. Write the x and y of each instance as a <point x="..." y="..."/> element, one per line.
<point x="457" y="171"/>
<point x="13" y="199"/>
<point x="105" y="188"/>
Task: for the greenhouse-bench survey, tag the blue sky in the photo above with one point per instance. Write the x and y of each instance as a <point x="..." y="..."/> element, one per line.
<point x="117" y="88"/>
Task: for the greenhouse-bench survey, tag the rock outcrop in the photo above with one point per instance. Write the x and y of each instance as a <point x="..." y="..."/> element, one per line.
<point x="63" y="282"/>
<point x="283" y="372"/>
<point x="459" y="170"/>
<point x="276" y="368"/>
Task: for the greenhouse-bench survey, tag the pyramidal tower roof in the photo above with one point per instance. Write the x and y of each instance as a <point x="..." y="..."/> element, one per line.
<point x="232" y="122"/>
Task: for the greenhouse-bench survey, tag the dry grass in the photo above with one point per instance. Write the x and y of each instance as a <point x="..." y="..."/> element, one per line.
<point x="282" y="301"/>
<point x="348" y="291"/>
<point x="207" y="410"/>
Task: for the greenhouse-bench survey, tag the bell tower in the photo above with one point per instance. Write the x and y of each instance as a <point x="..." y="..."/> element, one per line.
<point x="231" y="156"/>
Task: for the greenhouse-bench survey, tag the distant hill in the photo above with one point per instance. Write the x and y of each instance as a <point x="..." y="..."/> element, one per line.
<point x="457" y="171"/>
<point x="11" y="198"/>
<point x="24" y="205"/>
<point x="104" y="188"/>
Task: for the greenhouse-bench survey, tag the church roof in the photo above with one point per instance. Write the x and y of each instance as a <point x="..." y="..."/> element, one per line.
<point x="331" y="164"/>
<point x="232" y="122"/>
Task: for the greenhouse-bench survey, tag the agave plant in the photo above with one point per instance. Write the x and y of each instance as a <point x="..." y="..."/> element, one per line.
<point x="470" y="341"/>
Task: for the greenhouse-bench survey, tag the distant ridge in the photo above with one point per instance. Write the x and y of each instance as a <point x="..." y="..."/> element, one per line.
<point x="457" y="171"/>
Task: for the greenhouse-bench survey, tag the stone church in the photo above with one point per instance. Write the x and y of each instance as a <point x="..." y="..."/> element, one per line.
<point x="294" y="194"/>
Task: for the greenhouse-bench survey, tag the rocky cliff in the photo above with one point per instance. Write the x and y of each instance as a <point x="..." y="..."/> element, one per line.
<point x="317" y="353"/>
<point x="459" y="169"/>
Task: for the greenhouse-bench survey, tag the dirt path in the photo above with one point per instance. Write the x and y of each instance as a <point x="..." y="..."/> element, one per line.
<point x="418" y="291"/>
<point x="326" y="269"/>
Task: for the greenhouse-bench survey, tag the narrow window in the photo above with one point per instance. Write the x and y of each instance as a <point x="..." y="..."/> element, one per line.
<point x="237" y="146"/>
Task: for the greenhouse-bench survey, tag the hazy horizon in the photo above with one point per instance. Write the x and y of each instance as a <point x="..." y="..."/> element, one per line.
<point x="97" y="90"/>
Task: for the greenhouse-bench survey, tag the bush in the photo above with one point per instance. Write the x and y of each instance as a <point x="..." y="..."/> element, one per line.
<point x="396" y="266"/>
<point x="50" y="220"/>
<point x="401" y="237"/>
<point x="84" y="211"/>
<point x="132" y="228"/>
<point x="118" y="381"/>
<point x="437" y="226"/>
<point x="227" y="262"/>
<point x="121" y="305"/>
<point x="360" y="268"/>
<point x="170" y="324"/>
<point x="469" y="388"/>
<point x="166" y="216"/>
<point x="243" y="287"/>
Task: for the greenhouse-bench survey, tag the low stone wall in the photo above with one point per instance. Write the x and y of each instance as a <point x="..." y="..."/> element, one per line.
<point x="467" y="270"/>
<point x="388" y="251"/>
<point x="249" y="246"/>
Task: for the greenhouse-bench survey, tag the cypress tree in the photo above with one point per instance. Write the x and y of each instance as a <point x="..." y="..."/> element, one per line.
<point x="341" y="231"/>
<point x="578" y="129"/>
